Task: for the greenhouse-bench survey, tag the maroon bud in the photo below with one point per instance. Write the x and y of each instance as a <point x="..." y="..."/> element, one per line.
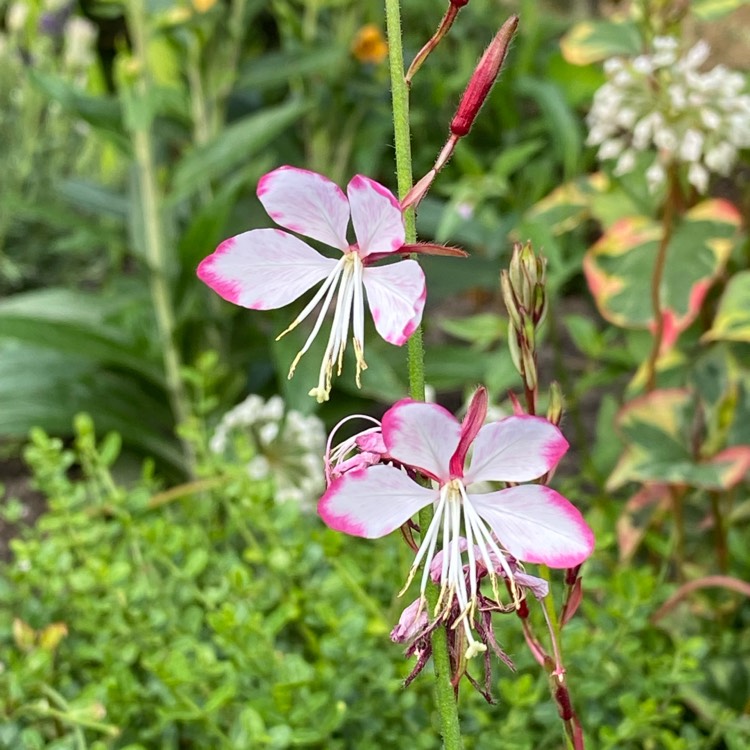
<point x="459" y="3"/>
<point x="523" y="609"/>
<point x="485" y="75"/>
<point x="571" y="575"/>
<point x="563" y="703"/>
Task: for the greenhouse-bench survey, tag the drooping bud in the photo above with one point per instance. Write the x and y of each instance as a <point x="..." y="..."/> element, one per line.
<point x="485" y="75"/>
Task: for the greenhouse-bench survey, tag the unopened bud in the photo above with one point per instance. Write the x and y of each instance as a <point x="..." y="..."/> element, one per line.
<point x="511" y="303"/>
<point x="529" y="368"/>
<point x="515" y="349"/>
<point x="413" y="619"/>
<point x="485" y="75"/>
<point x="555" y="408"/>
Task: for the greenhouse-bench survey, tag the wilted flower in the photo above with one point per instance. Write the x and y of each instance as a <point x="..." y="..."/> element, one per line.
<point x="364" y="449"/>
<point x="661" y="101"/>
<point x="285" y="446"/>
<point x="528" y="522"/>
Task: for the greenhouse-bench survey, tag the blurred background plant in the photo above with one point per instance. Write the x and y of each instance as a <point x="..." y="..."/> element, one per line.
<point x="132" y="135"/>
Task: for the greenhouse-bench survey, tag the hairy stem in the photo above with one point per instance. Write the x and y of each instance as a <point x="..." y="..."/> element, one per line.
<point x="445" y="696"/>
<point x="670" y="209"/>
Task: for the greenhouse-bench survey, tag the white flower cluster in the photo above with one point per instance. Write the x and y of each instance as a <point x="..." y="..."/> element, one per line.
<point x="287" y="446"/>
<point x="663" y="101"/>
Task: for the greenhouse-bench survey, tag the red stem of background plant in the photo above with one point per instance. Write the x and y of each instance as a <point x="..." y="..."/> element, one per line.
<point x="671" y="207"/>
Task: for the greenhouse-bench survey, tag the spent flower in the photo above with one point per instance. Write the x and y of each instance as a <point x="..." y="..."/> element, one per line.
<point x="663" y="103"/>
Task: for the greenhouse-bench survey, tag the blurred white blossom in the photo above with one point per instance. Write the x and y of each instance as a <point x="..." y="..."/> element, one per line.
<point x="661" y="103"/>
<point x="285" y="446"/>
<point x="79" y="43"/>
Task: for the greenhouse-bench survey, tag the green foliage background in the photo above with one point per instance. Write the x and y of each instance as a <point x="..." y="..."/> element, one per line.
<point x="163" y="599"/>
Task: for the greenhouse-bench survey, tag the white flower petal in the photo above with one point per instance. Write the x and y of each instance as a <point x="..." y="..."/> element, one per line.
<point x="516" y="449"/>
<point x="396" y="295"/>
<point x="372" y="502"/>
<point x="376" y="216"/>
<point x="421" y="435"/>
<point x="263" y="269"/>
<point x="536" y="524"/>
<point x="307" y="203"/>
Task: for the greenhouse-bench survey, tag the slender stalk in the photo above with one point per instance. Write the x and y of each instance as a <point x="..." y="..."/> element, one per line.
<point x="154" y="244"/>
<point x="720" y="532"/>
<point x="444" y="691"/>
<point x="404" y="178"/>
<point x="668" y="217"/>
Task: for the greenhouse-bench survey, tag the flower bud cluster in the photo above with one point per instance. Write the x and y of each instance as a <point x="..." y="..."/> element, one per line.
<point x="662" y="102"/>
<point x="523" y="289"/>
<point x="278" y="444"/>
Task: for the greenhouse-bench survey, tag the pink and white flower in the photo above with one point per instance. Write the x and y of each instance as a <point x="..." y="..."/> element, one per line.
<point x="264" y="269"/>
<point x="531" y="522"/>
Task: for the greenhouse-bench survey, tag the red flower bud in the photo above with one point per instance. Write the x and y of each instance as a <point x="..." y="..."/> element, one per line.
<point x="485" y="75"/>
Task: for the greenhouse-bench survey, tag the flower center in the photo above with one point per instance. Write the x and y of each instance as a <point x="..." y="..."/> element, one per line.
<point x="349" y="309"/>
<point x="462" y="530"/>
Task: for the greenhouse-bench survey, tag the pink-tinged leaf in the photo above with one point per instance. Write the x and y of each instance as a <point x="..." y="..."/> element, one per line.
<point x="732" y="321"/>
<point x="372" y="502"/>
<point x="638" y="515"/>
<point x="516" y="449"/>
<point x="263" y="269"/>
<point x="396" y="295"/>
<point x="660" y="430"/>
<point x="734" y="465"/>
<point x="307" y="203"/>
<point x="475" y="416"/>
<point x="698" y="250"/>
<point x="536" y="524"/>
<point x="592" y="41"/>
<point x="376" y="216"/>
<point x="421" y="435"/>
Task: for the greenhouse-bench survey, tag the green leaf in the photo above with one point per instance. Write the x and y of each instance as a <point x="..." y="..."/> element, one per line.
<point x="710" y="10"/>
<point x="562" y="123"/>
<point x="732" y="321"/>
<point x="593" y="41"/>
<point x="482" y="330"/>
<point x="102" y="112"/>
<point x="277" y="69"/>
<point x="569" y="205"/>
<point x="657" y="430"/>
<point x="94" y="198"/>
<point x="232" y="148"/>
<point x="44" y="388"/>
<point x="74" y="323"/>
<point x="620" y="265"/>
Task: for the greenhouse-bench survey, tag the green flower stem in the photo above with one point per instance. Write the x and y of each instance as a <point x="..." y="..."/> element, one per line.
<point x="154" y="244"/>
<point x="444" y="691"/>
<point x="404" y="179"/>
